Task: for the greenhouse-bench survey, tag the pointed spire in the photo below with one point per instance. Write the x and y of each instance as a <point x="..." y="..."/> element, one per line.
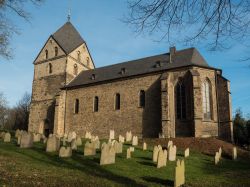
<point x="69" y="12"/>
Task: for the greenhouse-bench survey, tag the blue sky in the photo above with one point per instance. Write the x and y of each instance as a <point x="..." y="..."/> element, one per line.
<point x="110" y="41"/>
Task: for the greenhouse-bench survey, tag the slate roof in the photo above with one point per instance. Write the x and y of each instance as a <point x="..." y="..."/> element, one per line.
<point x="182" y="58"/>
<point x="68" y="37"/>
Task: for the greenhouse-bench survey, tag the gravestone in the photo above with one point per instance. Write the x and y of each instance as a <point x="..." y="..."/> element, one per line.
<point x="26" y="140"/>
<point x="186" y="153"/>
<point x="128" y="154"/>
<point x="53" y="144"/>
<point x="155" y="153"/>
<point x="128" y="136"/>
<point x="179" y="179"/>
<point x="79" y="141"/>
<point x="216" y="158"/>
<point x="121" y="139"/>
<point x="2" y="135"/>
<point x="172" y="153"/>
<point x="71" y="136"/>
<point x="65" y="152"/>
<point x="107" y="154"/>
<point x="97" y="143"/>
<point x="118" y="147"/>
<point x="36" y="137"/>
<point x="89" y="149"/>
<point x="17" y="133"/>
<point x="234" y="153"/>
<point x="132" y="149"/>
<point x="162" y="159"/>
<point x="170" y="143"/>
<point x="144" y="147"/>
<point x="220" y="152"/>
<point x="73" y="144"/>
<point x="111" y="134"/>
<point x="7" y="137"/>
<point x="88" y="135"/>
<point x="135" y="141"/>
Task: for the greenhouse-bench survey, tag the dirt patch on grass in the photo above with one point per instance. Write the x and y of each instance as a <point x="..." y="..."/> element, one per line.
<point x="204" y="145"/>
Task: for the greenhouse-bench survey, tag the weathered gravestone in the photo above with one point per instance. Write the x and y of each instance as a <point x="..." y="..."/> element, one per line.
<point x="172" y="153"/>
<point x="73" y="144"/>
<point x="71" y="136"/>
<point x="88" y="135"/>
<point x="26" y="140"/>
<point x="121" y="139"/>
<point x="53" y="144"/>
<point x="96" y="142"/>
<point x="186" y="153"/>
<point x="135" y="141"/>
<point x="220" y="152"/>
<point x="17" y="133"/>
<point x="179" y="179"/>
<point x="216" y="158"/>
<point x="162" y="158"/>
<point x="111" y="134"/>
<point x="89" y="149"/>
<point x="65" y="152"/>
<point x="107" y="154"/>
<point x="118" y="146"/>
<point x="128" y="136"/>
<point x="128" y="153"/>
<point x="78" y="141"/>
<point x="156" y="152"/>
<point x="7" y="137"/>
<point x="132" y="149"/>
<point x="144" y="147"/>
<point x="170" y="143"/>
<point x="36" y="137"/>
<point x="234" y="153"/>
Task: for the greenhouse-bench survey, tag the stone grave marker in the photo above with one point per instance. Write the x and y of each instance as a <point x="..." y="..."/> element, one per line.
<point x="128" y="136"/>
<point x="107" y="154"/>
<point x="234" y="153"/>
<point x="53" y="144"/>
<point x="26" y="140"/>
<point x="172" y="153"/>
<point x="135" y="141"/>
<point x="89" y="149"/>
<point x="65" y="152"/>
<point x="111" y="134"/>
<point x="179" y="179"/>
<point x="186" y="153"/>
<point x="144" y="147"/>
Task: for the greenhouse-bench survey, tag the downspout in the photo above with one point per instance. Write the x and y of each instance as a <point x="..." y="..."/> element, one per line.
<point x="65" y="96"/>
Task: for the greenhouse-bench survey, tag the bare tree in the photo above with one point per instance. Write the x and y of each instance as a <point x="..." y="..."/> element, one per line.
<point x="7" y="27"/>
<point x="218" y="22"/>
<point x="3" y="109"/>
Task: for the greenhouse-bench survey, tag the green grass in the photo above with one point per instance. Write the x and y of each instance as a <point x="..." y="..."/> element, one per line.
<point x="35" y="167"/>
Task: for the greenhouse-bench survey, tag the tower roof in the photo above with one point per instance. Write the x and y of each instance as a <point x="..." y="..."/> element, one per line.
<point x="68" y="37"/>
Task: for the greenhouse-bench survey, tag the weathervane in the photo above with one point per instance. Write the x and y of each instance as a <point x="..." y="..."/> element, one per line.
<point x="69" y="12"/>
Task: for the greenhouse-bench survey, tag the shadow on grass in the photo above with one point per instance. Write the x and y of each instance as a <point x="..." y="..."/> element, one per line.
<point x="144" y="158"/>
<point x="146" y="163"/>
<point x="89" y="166"/>
<point x="159" y="181"/>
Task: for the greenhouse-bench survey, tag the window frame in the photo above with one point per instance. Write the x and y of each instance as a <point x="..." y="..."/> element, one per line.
<point x="117" y="103"/>
<point x="207" y="110"/>
<point x="142" y="99"/>
<point x="96" y="104"/>
<point x="76" y="106"/>
<point x="180" y="100"/>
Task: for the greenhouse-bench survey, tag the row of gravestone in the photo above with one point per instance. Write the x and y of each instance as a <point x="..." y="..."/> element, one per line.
<point x="6" y="136"/>
<point x="218" y="155"/>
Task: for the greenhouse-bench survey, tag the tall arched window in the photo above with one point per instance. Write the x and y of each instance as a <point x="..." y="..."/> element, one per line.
<point x="46" y="54"/>
<point x="75" y="69"/>
<point x="50" y="68"/>
<point x="56" y="51"/>
<point x="206" y="100"/>
<point x="142" y="98"/>
<point x="180" y="100"/>
<point x="76" y="106"/>
<point x="117" y="101"/>
<point x="96" y="104"/>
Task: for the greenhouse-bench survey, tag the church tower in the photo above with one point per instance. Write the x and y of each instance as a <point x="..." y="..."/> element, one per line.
<point x="64" y="55"/>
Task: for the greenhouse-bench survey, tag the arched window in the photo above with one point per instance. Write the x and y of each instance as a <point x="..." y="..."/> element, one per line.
<point x="46" y="54"/>
<point x="142" y="98"/>
<point x="117" y="101"/>
<point x="75" y="69"/>
<point x="96" y="104"/>
<point x="206" y="100"/>
<point x="56" y="51"/>
<point x="76" y="106"/>
<point x="180" y="93"/>
<point x="50" y="68"/>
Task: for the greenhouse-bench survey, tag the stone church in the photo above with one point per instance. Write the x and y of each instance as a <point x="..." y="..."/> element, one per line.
<point x="175" y="94"/>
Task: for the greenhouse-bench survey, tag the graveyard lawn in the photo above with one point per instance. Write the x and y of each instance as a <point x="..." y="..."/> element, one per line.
<point x="35" y="167"/>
